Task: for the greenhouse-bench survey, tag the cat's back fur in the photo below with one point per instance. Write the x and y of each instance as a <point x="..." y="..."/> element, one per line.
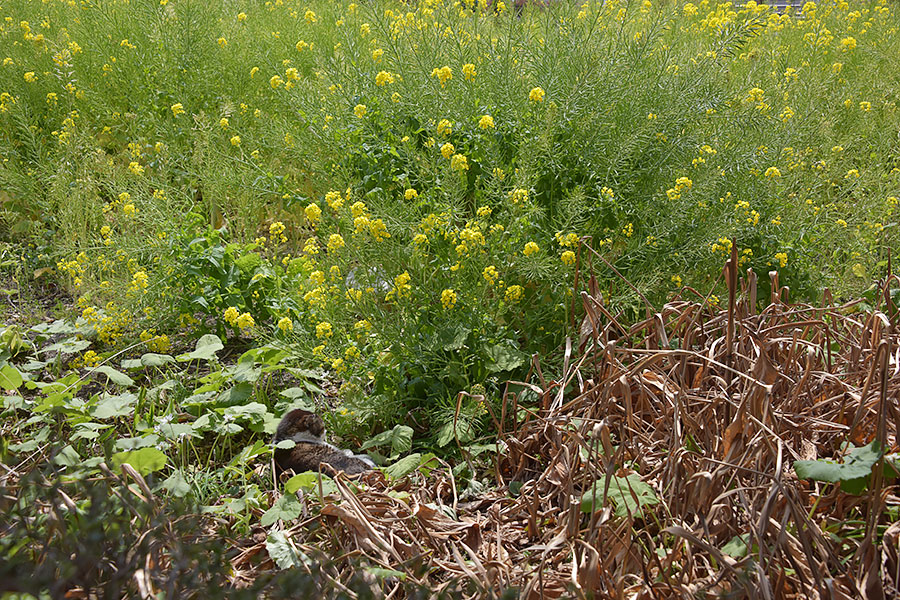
<point x="312" y="452"/>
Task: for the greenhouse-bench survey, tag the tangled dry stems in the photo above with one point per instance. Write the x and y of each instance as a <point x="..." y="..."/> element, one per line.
<point x="710" y="407"/>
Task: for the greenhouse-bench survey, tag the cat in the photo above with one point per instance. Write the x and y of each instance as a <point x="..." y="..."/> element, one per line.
<point x="312" y="452"/>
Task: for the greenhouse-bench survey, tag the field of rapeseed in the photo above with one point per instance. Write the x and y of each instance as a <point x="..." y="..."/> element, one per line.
<point x="398" y="192"/>
<point x="368" y="208"/>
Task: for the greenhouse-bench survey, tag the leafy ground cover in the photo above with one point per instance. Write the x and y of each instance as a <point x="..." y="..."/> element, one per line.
<point x="398" y="215"/>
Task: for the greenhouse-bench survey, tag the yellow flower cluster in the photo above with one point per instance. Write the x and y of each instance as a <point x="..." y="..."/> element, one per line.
<point x="443" y="74"/>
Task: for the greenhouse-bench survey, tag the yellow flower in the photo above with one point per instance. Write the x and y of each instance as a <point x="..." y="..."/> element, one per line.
<point x="358" y="209"/>
<point x="310" y="17"/>
<point x="782" y="259"/>
<point x="536" y="94"/>
<point x="377" y="53"/>
<point x="514" y="293"/>
<point x="222" y="42"/>
<point x="443" y="74"/>
<point x="275" y="81"/>
<point x="30" y="77"/>
<point x="410" y="193"/>
<point x="90" y="358"/>
<point x="773" y="173"/>
<point x="285" y="324"/>
<point x="323" y="330"/>
<point x="568" y="257"/>
<point x="486" y="122"/>
<point x="676" y="280"/>
<point x="177" y="109"/>
<point x="848" y="43"/>
<point x="317" y="277"/>
<point x="244" y="321"/>
<point x="231" y="315"/>
<point x="865" y="106"/>
<point x="530" y="248"/>
<point x="242" y="16"/>
<point x="384" y="78"/>
<point x="484" y="212"/>
<point x="335" y="242"/>
<point x="235" y="140"/>
<point x="136" y="168"/>
<point x="490" y="274"/>
<point x="223" y="123"/>
<point x="469" y="71"/>
<point x="359" y="110"/>
<point x="518" y="195"/>
<point x="459" y="162"/>
<point x="852" y="174"/>
<point x="756" y="95"/>
<point x="448" y="298"/>
<point x="447" y="150"/>
<point x="419" y="239"/>
<point x="313" y="213"/>
<point x="444" y="127"/>
<point x="301" y="46"/>
<point x="334" y="200"/>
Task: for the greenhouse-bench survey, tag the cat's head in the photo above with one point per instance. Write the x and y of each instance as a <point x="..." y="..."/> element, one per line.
<point x="301" y="426"/>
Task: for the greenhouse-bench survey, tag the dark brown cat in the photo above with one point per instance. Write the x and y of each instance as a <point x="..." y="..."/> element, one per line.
<point x="312" y="452"/>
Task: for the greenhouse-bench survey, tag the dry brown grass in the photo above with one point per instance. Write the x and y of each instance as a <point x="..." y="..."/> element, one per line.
<point x="710" y="407"/>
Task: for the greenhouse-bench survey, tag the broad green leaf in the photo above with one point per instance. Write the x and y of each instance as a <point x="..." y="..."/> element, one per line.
<point x="176" y="484"/>
<point x="286" y="508"/>
<point x="738" y="546"/>
<point x="60" y="326"/>
<point x="133" y="443"/>
<point x="399" y="439"/>
<point x="89" y="431"/>
<point x="504" y="358"/>
<point x="206" y="349"/>
<point x="629" y="495"/>
<point x="69" y="346"/>
<point x="309" y="482"/>
<point x="174" y="431"/>
<point x="283" y="553"/>
<point x="285" y="444"/>
<point x="245" y="372"/>
<point x="236" y="395"/>
<point x="382" y="573"/>
<point x="10" y="378"/>
<point x="144" y="461"/>
<point x="131" y="364"/>
<point x="114" y="406"/>
<point x="464" y="432"/>
<point x="117" y="377"/>
<point x="853" y="473"/>
<point x="252" y="411"/>
<point x="156" y="360"/>
<point x="404" y="466"/>
<point x="453" y="337"/>
<point x="67" y="457"/>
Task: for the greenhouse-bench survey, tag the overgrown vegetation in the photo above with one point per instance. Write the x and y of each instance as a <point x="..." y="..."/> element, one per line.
<point x="211" y="213"/>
